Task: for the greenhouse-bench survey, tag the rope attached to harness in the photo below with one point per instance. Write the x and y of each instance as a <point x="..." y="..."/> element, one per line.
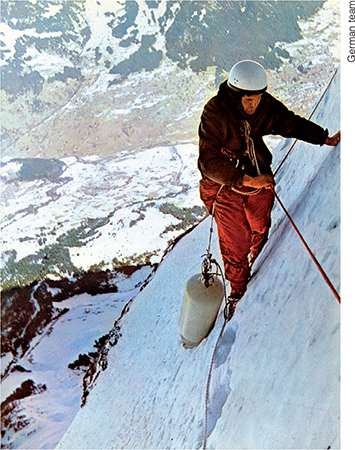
<point x="206" y="271"/>
<point x="209" y="380"/>
<point x="324" y="275"/>
<point x="252" y="156"/>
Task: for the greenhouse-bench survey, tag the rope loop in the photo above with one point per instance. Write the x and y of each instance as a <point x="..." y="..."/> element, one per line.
<point x="256" y="191"/>
<point x="225" y="316"/>
<point x="252" y="156"/>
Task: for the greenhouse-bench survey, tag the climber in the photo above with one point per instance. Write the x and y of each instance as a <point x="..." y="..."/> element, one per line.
<point x="235" y="165"/>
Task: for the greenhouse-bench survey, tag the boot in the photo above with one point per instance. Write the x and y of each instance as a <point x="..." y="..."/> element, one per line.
<point x="231" y="305"/>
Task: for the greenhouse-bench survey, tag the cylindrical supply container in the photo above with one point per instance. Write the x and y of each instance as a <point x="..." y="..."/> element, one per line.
<point x="199" y="309"/>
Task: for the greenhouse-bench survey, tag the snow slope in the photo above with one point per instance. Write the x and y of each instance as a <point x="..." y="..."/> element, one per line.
<point x="276" y="376"/>
<point x="39" y="421"/>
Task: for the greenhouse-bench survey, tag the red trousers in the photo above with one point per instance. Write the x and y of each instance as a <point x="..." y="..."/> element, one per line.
<point x="243" y="223"/>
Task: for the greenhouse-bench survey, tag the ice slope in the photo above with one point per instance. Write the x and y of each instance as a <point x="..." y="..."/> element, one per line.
<point x="276" y="376"/>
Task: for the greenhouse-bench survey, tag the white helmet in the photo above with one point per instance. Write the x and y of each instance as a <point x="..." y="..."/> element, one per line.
<point x="248" y="76"/>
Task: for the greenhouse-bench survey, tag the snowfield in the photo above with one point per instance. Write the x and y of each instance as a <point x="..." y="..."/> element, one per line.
<point x="112" y="186"/>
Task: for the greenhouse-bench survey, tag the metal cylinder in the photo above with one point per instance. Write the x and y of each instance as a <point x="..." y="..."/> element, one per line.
<point x="199" y="309"/>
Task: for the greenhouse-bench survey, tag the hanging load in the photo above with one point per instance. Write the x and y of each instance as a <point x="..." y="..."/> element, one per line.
<point x="202" y="300"/>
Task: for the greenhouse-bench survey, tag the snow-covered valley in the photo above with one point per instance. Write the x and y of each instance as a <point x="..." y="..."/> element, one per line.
<point x="152" y="193"/>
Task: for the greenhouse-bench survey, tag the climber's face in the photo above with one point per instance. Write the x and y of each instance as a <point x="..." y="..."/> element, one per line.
<point x="250" y="103"/>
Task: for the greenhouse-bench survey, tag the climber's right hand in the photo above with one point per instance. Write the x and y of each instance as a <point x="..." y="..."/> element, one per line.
<point x="261" y="181"/>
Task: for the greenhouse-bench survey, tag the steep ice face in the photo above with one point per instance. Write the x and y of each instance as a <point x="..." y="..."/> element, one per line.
<point x="275" y="379"/>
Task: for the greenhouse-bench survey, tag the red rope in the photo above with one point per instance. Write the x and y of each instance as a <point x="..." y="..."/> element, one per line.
<point x="289" y="217"/>
<point x="308" y="249"/>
